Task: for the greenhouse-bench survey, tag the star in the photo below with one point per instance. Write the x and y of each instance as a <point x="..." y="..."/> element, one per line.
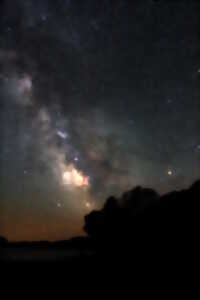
<point x="88" y="204"/>
<point x="170" y="173"/>
<point x="131" y="122"/>
<point x="44" y="17"/>
<point x="169" y="101"/>
<point x="25" y="84"/>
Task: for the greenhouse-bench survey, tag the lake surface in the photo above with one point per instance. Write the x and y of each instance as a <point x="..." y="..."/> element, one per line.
<point x="42" y="254"/>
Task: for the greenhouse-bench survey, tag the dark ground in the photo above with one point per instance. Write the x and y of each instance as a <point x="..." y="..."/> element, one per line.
<point x="141" y="228"/>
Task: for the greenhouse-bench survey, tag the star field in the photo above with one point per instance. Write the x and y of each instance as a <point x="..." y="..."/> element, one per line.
<point x="96" y="97"/>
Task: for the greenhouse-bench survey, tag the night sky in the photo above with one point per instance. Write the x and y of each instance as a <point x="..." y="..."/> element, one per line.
<point x="96" y="97"/>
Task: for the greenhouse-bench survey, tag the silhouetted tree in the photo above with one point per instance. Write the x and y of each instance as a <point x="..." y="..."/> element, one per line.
<point x="143" y="220"/>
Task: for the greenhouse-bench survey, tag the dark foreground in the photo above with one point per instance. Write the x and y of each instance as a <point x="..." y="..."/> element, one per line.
<point x="42" y="255"/>
<point x="72" y="250"/>
<point x="141" y="227"/>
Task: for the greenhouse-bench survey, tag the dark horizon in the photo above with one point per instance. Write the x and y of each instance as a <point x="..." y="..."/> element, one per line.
<point x="140" y="227"/>
<point x="133" y="196"/>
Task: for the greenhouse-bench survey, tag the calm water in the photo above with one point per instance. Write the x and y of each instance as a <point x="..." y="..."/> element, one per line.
<point x="48" y="254"/>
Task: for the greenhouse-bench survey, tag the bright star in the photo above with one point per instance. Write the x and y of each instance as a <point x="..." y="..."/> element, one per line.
<point x="169" y="172"/>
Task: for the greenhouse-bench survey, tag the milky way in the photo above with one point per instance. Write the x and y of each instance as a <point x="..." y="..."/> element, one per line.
<point x="96" y="97"/>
